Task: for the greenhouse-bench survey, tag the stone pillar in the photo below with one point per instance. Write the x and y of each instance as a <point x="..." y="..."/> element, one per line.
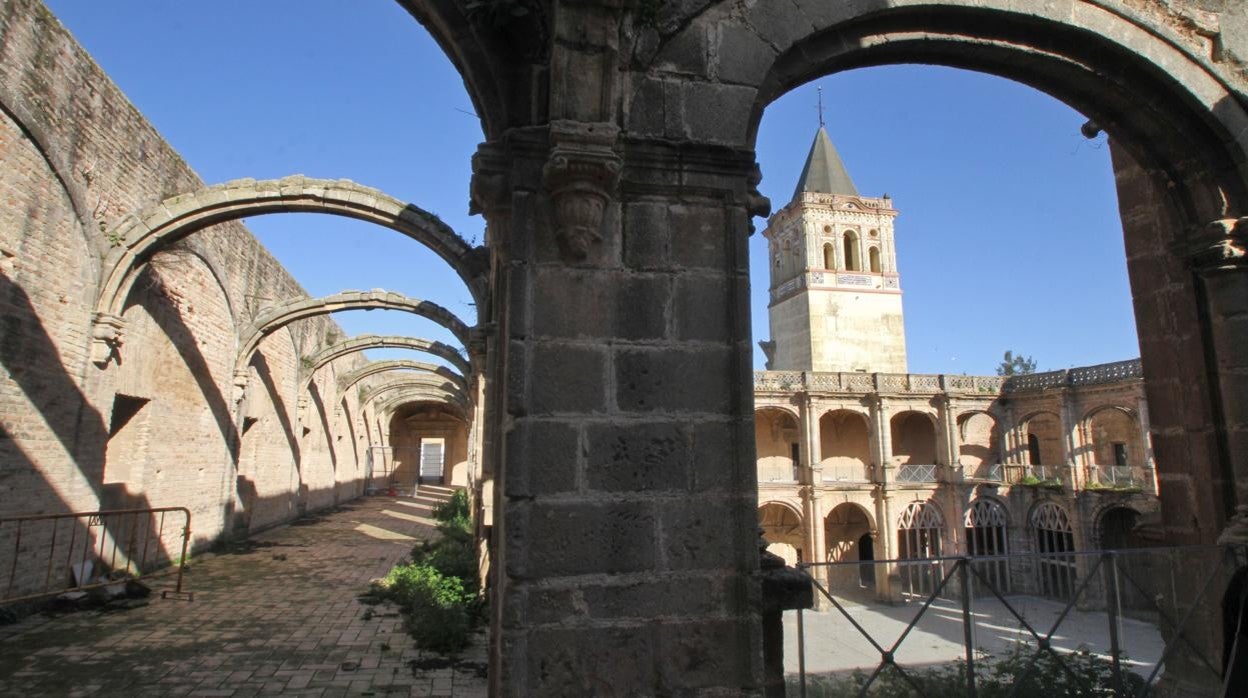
<point x="1219" y="256"/>
<point x="625" y="530"/>
<point x="947" y="446"/>
<point x="883" y="441"/>
<point x="1069" y="438"/>
<point x="813" y="445"/>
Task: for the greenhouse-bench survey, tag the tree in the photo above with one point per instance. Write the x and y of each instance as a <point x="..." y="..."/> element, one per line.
<point x="1016" y="365"/>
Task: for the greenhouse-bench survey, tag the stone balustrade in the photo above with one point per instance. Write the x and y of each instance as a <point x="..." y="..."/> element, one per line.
<point x="857" y="382"/>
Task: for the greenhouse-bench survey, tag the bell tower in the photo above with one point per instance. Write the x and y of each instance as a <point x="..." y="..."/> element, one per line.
<point x="835" y="291"/>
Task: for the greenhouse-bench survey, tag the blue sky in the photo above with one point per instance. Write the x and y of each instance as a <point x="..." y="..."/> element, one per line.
<point x="1008" y="236"/>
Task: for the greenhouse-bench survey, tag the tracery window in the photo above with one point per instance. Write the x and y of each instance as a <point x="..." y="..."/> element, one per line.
<point x="918" y="537"/>
<point x="1055" y="540"/>
<point x="986" y="525"/>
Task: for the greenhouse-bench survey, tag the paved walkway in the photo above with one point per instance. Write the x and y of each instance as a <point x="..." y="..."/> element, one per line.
<point x="277" y="614"/>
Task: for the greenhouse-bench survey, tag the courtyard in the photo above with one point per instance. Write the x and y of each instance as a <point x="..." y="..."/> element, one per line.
<point x="276" y="613"/>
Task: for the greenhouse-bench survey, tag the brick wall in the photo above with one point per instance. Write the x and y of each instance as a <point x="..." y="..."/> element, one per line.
<point x="75" y="157"/>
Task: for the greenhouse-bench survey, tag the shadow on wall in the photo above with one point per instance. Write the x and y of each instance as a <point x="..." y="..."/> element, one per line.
<point x="174" y="327"/>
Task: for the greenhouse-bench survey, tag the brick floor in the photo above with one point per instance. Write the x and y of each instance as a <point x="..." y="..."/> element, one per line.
<point x="275" y="615"/>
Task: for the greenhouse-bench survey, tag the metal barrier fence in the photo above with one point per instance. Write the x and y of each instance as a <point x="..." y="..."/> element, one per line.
<point x="48" y="554"/>
<point x="1121" y="623"/>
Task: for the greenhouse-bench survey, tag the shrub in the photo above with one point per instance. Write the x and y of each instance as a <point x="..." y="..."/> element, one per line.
<point x="437" y="590"/>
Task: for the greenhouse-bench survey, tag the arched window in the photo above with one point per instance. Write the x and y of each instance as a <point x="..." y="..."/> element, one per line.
<point x="918" y="538"/>
<point x="873" y="258"/>
<point x="829" y="256"/>
<point x="986" y="526"/>
<point x="1054" y="541"/>
<point x="852" y="262"/>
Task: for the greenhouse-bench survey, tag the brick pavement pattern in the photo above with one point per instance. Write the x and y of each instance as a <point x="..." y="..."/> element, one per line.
<point x="277" y="614"/>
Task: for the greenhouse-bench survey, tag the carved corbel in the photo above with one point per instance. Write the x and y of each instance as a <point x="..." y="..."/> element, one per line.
<point x="581" y="175"/>
<point x="1221" y="246"/>
<point x="241" y="379"/>
<point x="755" y="203"/>
<point x="106" y="338"/>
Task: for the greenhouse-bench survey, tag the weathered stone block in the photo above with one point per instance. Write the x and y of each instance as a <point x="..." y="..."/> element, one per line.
<point x="571" y="302"/>
<point x="566" y="378"/>
<point x="590" y="661"/>
<point x="721" y="464"/>
<point x="646" y="235"/>
<point x="742" y="57"/>
<point x="542" y="458"/>
<point x="641" y="306"/>
<point x="675" y="597"/>
<point x="710" y="533"/>
<point x="696" y="380"/>
<point x="699" y="237"/>
<point x="704" y="308"/>
<point x="707" y="654"/>
<point x="571" y="538"/>
<point x="653" y="457"/>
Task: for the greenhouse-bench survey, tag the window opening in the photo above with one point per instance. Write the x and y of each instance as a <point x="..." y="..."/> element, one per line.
<point x="873" y="257"/>
<point x="1054" y="541"/>
<point x="918" y="540"/>
<point x="986" y="526"/>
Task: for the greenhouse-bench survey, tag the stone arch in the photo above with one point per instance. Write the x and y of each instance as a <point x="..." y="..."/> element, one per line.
<point x="776" y="442"/>
<point x="920" y="536"/>
<point x="1054" y="538"/>
<point x="1115" y="527"/>
<point x="843" y="527"/>
<point x="495" y="58"/>
<point x="979" y="439"/>
<point x="53" y="154"/>
<point x="282" y="315"/>
<point x="428" y="443"/>
<point x="1111" y="436"/>
<point x="852" y="252"/>
<point x="365" y="342"/>
<point x="845" y="445"/>
<point x="986" y="526"/>
<point x="873" y="259"/>
<point x="1101" y="61"/>
<point x="403" y="365"/>
<point x="415" y="394"/>
<point x="1042" y="435"/>
<point x="914" y="438"/>
<point x="782" y="525"/>
<point x="175" y="218"/>
<point x="430" y="382"/>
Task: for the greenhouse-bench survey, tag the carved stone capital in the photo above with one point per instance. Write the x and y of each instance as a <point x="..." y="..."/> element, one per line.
<point x="755" y="203"/>
<point x="581" y="175"/>
<point x="1236" y="531"/>
<point x="1220" y="246"/>
<point x="490" y="188"/>
<point x="107" y="334"/>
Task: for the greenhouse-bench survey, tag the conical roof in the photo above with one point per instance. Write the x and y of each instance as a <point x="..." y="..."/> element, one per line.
<point x="824" y="172"/>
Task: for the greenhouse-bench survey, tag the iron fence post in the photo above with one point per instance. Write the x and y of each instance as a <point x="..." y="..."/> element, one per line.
<point x="968" y="624"/>
<point x="1113" y="609"/>
<point x="801" y="654"/>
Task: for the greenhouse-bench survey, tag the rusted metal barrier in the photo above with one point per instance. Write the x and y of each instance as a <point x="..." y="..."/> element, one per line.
<point x="48" y="554"/>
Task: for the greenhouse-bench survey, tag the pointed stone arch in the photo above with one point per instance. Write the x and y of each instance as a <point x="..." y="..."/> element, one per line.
<point x="279" y="316"/>
<point x="139" y="236"/>
<point x="365" y="342"/>
<point x="399" y="365"/>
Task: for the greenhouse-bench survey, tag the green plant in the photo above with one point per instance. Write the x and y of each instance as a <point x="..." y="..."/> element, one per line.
<point x="437" y="590"/>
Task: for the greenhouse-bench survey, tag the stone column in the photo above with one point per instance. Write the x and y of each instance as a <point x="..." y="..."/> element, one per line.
<point x="626" y="531"/>
<point x="883" y="441"/>
<point x="948" y="443"/>
<point x="813" y="445"/>
<point x="1068" y="426"/>
<point x="1219" y="256"/>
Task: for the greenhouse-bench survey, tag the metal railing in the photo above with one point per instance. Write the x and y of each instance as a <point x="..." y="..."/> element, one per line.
<point x="48" y="554"/>
<point x="916" y="473"/>
<point x="1126" y="620"/>
<point x="1123" y="476"/>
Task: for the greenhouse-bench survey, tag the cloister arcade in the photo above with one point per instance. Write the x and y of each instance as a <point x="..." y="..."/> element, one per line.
<point x="943" y="473"/>
<point x="619" y="164"/>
